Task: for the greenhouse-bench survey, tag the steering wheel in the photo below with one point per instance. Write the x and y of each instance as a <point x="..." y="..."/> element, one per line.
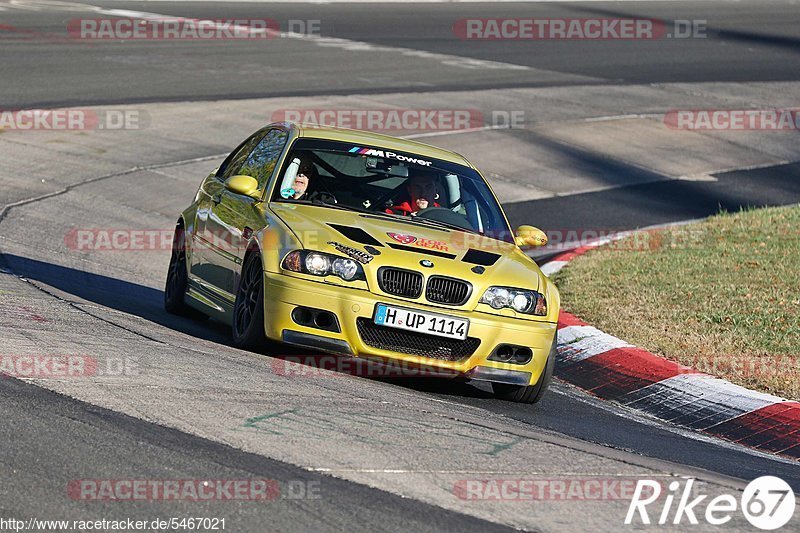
<point x="380" y="202"/>
<point x="324" y="197"/>
<point x="443" y="214"/>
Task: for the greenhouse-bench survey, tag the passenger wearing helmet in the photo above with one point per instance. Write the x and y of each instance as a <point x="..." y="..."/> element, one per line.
<point x="422" y="194"/>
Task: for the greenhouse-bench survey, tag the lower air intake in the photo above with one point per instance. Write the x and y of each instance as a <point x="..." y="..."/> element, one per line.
<point x="412" y="343"/>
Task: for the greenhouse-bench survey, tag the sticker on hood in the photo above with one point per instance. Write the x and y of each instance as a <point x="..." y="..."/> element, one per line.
<point x="358" y="255"/>
<point x="430" y="244"/>
<point x="402" y="238"/>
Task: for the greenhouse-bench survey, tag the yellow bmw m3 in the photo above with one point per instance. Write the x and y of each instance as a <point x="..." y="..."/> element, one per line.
<point x="365" y="245"/>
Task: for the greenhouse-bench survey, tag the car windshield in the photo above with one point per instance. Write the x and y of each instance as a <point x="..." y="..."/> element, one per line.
<point x="391" y="184"/>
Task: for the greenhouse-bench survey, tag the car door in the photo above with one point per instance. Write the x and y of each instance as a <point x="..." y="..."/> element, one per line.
<point x="205" y="275"/>
<point x="234" y="217"/>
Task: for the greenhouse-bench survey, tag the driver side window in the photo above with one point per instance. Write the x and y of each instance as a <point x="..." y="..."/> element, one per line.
<point x="233" y="164"/>
<point x="262" y="160"/>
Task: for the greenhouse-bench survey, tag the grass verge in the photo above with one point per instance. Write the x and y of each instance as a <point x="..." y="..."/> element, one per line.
<point x="721" y="296"/>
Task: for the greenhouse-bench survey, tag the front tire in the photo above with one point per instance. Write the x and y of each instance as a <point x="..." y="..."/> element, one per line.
<point x="178" y="279"/>
<point x="528" y="393"/>
<point x="248" y="310"/>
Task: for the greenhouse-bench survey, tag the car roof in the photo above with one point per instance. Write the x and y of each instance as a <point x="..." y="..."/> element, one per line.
<point x="368" y="138"/>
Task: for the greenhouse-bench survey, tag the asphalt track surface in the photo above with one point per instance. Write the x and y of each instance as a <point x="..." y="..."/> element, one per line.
<point x="747" y="41"/>
<point x="51" y="438"/>
<point x="42" y="424"/>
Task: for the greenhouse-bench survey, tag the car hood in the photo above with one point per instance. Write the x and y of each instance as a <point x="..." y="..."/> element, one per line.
<point x="433" y="251"/>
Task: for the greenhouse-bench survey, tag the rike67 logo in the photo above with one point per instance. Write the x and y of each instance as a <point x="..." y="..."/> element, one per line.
<point x="767" y="503"/>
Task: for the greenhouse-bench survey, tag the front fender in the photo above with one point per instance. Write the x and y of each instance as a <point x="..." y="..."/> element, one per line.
<point x="188" y="218"/>
<point x="273" y="242"/>
<point x="553" y="298"/>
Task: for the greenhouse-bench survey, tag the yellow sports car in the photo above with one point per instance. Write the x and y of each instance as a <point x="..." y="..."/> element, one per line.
<point x="365" y="245"/>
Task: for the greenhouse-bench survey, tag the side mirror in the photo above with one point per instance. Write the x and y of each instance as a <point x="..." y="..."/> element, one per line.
<point x="244" y="185"/>
<point x="527" y="236"/>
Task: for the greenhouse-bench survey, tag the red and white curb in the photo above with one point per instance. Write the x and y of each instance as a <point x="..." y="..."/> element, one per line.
<point x="613" y="369"/>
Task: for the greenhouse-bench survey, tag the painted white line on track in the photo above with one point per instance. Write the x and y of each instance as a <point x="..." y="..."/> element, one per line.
<point x="335" y="42"/>
<point x="45" y="5"/>
<point x="611" y="118"/>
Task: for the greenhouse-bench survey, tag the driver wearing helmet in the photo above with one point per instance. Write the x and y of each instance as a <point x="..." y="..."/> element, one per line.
<point x="305" y="174"/>
<point x="422" y="194"/>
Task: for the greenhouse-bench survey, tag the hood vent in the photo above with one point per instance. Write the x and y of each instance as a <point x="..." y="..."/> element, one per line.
<point x="356" y="234"/>
<point x="479" y="257"/>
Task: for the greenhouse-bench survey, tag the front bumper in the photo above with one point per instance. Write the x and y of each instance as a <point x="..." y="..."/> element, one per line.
<point x="284" y="293"/>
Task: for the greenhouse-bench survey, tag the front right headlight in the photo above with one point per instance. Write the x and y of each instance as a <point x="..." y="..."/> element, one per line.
<point x="520" y="300"/>
<point x="323" y="264"/>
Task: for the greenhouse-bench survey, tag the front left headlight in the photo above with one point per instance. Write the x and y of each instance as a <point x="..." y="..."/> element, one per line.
<point x="520" y="300"/>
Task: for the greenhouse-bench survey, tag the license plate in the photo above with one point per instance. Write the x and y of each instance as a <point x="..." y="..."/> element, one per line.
<point x="421" y="322"/>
